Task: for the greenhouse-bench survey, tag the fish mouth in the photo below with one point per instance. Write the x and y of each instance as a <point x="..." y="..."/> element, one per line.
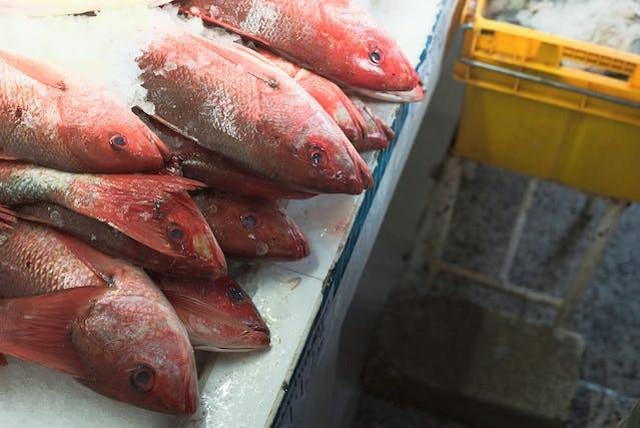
<point x="377" y="133"/>
<point x="228" y="350"/>
<point x="256" y="337"/>
<point x="414" y="95"/>
<point x="258" y="334"/>
<point x="300" y="242"/>
<point x="362" y="178"/>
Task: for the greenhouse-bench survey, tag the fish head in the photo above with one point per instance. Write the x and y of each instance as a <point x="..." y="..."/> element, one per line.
<point x="138" y="352"/>
<point x="110" y="138"/>
<point x="219" y="316"/>
<point x="326" y="159"/>
<point x="191" y="237"/>
<point x="256" y="228"/>
<point x="367" y="56"/>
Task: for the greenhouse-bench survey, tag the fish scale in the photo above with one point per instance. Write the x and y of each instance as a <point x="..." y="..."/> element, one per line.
<point x="37" y="264"/>
<point x="333" y="37"/>
<point x="21" y="99"/>
<point x="129" y="327"/>
<point x="58" y="122"/>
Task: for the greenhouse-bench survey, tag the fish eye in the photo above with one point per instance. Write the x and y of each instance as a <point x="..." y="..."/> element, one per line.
<point x="235" y="294"/>
<point x="374" y="57"/>
<point x="317" y="157"/>
<point x="118" y="142"/>
<point x="176" y="234"/>
<point x="142" y="378"/>
<point x="249" y="221"/>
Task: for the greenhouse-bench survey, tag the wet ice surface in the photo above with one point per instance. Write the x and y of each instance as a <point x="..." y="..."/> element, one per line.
<point x="236" y="390"/>
<point x="614" y="24"/>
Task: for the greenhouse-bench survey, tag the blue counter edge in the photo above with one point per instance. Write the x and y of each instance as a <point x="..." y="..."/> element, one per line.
<point x="333" y="281"/>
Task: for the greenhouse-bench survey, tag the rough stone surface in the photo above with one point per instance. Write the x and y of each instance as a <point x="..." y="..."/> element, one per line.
<point x="555" y="236"/>
<point x="375" y="412"/>
<point x="454" y="357"/>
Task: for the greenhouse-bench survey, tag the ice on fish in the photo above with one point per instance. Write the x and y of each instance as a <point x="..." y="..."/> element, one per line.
<point x="100" y="49"/>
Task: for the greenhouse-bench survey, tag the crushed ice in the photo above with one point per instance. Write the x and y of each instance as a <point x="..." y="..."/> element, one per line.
<point x="614" y="24"/>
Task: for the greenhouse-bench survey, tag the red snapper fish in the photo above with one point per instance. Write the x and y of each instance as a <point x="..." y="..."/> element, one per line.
<point x="153" y="210"/>
<point x="208" y="167"/>
<point x="252" y="228"/>
<point x="102" y="321"/>
<point x="218" y="315"/>
<point x="234" y="102"/>
<point x="111" y="241"/>
<point x="332" y="37"/>
<point x="366" y="133"/>
<point x="53" y="120"/>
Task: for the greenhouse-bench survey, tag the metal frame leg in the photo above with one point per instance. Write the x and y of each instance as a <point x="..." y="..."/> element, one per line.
<point x="607" y="225"/>
<point x="442" y="216"/>
<point x="518" y="228"/>
<point x="428" y="247"/>
<point x="590" y="206"/>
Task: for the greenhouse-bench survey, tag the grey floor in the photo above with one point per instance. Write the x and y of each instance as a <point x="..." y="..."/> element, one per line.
<point x="609" y="316"/>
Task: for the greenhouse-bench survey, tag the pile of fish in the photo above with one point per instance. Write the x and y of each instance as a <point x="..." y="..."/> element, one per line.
<point x="116" y="220"/>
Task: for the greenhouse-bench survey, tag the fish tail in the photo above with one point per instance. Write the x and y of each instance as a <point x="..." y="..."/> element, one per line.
<point x="7" y="218"/>
<point x="36" y="328"/>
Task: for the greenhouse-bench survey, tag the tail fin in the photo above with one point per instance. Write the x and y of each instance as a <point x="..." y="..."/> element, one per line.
<point x="7" y="218"/>
<point x="140" y="206"/>
<point x="36" y="328"/>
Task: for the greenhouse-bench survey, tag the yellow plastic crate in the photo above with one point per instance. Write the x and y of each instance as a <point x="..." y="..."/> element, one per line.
<point x="529" y="110"/>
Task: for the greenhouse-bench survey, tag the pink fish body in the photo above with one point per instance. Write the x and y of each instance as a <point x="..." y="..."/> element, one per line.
<point x="208" y="167"/>
<point x="332" y="37"/>
<point x="49" y="119"/>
